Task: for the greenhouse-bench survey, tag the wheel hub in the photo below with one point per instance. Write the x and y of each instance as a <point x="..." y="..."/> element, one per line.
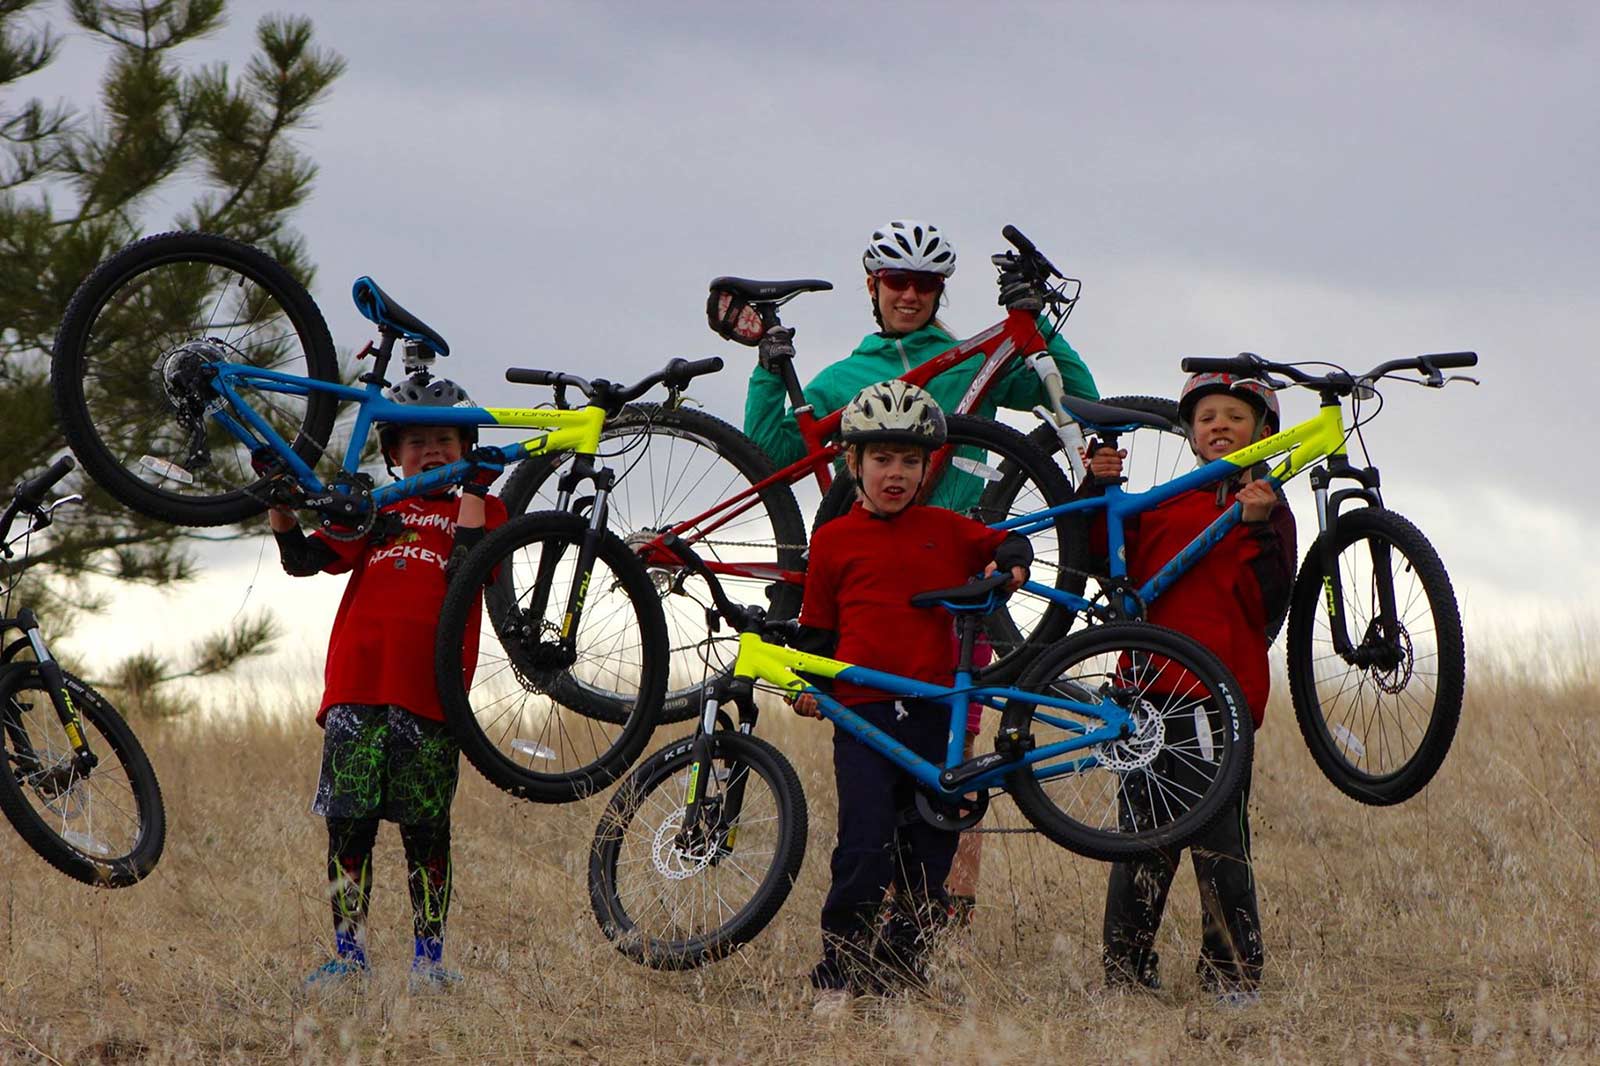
<point x="182" y="370"/>
<point x="671" y="858"/>
<point x="662" y="577"/>
<point x="1393" y="660"/>
<point x="1138" y="750"/>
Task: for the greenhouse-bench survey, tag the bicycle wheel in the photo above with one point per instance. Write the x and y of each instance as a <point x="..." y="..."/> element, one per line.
<point x="149" y="316"/>
<point x="674" y="464"/>
<point x="1155" y="456"/>
<point x="103" y="826"/>
<point x="507" y="688"/>
<point x="995" y="475"/>
<point x="673" y="896"/>
<point x="1188" y="754"/>
<point x="1378" y="720"/>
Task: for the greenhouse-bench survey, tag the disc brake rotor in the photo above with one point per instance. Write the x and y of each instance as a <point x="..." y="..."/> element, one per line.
<point x="1135" y="752"/>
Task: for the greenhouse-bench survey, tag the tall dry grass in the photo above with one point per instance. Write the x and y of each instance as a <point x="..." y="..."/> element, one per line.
<point x="1461" y="926"/>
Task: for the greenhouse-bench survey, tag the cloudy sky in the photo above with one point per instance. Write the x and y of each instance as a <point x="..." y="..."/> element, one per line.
<point x="553" y="184"/>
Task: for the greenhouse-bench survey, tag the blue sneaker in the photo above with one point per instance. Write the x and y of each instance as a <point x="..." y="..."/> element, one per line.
<point x="335" y="973"/>
<point x="429" y="976"/>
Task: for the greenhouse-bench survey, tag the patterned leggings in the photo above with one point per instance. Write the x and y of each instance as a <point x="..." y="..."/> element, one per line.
<point x="350" y="842"/>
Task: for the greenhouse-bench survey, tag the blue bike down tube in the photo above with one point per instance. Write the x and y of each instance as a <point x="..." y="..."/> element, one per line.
<point x="438" y="478"/>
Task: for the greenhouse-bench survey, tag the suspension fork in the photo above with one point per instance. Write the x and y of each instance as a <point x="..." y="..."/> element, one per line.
<point x="1328" y="509"/>
<point x="713" y="720"/>
<point x="55" y="684"/>
<point x="583" y="469"/>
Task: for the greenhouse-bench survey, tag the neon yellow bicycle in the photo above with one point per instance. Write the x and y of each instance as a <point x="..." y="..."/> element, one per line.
<point x="1116" y="741"/>
<point x="1376" y="658"/>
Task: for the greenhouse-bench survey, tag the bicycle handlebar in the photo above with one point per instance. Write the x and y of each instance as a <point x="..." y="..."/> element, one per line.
<point x="676" y="374"/>
<point x="30" y="494"/>
<point x="1029" y="249"/>
<point x="737" y="616"/>
<point x="1248" y="364"/>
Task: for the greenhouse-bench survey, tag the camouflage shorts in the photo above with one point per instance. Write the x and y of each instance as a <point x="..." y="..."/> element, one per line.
<point x="385" y="762"/>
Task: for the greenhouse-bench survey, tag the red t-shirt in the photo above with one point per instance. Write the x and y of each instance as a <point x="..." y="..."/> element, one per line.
<point x="1227" y="597"/>
<point x="861" y="575"/>
<point x="382" y="645"/>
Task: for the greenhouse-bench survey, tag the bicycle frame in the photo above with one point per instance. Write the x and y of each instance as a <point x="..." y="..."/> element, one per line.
<point x="1321" y="436"/>
<point x="782" y="667"/>
<point x="565" y="430"/>
<point x="1000" y="344"/>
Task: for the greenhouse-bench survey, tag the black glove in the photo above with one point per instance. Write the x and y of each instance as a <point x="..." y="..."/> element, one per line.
<point x="489" y="464"/>
<point x="1019" y="292"/>
<point x="777" y="348"/>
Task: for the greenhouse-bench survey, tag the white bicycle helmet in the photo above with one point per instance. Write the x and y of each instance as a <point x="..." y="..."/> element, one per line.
<point x="907" y="244"/>
<point x="893" y="412"/>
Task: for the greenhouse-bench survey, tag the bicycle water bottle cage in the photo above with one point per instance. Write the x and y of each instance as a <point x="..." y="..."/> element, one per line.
<point x="379" y="308"/>
<point x="980" y="596"/>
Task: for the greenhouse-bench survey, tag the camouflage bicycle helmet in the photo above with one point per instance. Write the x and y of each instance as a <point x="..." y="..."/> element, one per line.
<point x="907" y="244"/>
<point x="1258" y="394"/>
<point x="893" y="412"/>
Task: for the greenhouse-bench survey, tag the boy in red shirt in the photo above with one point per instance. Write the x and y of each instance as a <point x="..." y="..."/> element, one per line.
<point x="1229" y="601"/>
<point x="387" y="753"/>
<point x="861" y="574"/>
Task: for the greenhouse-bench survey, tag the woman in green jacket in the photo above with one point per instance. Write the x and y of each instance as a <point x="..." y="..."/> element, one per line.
<point x="907" y="263"/>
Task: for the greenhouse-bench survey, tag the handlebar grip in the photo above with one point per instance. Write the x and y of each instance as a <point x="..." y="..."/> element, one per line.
<point x="680" y="372"/>
<point x="1451" y="360"/>
<point x="1205" y="364"/>
<point x="1022" y="244"/>
<point x="30" y="493"/>
<point x="521" y="376"/>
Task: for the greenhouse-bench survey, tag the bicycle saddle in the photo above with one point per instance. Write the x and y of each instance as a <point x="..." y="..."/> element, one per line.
<point x="1104" y="415"/>
<point x="381" y="309"/>
<point x="979" y="594"/>
<point x="769" y="290"/>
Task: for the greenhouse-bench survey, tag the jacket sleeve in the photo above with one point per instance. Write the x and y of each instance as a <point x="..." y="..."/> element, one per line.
<point x="300" y="555"/>
<point x="819" y="608"/>
<point x="1271" y="566"/>
<point x="1015" y="550"/>
<point x="768" y="420"/>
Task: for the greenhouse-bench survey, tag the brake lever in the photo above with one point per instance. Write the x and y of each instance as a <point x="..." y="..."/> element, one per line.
<point x="73" y="497"/>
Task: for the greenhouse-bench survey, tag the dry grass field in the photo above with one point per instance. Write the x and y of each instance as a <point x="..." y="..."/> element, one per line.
<point x="1462" y="926"/>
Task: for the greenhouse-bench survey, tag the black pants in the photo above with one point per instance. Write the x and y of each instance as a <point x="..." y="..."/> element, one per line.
<point x="1231" y="954"/>
<point x="882" y="842"/>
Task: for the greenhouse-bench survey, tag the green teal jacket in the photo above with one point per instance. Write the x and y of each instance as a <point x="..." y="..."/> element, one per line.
<point x="879" y="357"/>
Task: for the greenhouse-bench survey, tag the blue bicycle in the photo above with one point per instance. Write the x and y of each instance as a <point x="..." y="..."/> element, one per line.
<point x="197" y="383"/>
<point x="1115" y="741"/>
<point x="1376" y="657"/>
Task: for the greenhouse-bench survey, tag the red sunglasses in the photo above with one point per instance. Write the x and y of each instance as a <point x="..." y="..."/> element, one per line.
<point x="899" y="280"/>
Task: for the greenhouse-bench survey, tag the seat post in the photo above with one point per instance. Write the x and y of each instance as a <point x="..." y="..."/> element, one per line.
<point x="967" y="634"/>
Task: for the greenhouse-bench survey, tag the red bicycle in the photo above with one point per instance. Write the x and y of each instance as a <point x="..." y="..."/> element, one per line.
<point x="685" y="472"/>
